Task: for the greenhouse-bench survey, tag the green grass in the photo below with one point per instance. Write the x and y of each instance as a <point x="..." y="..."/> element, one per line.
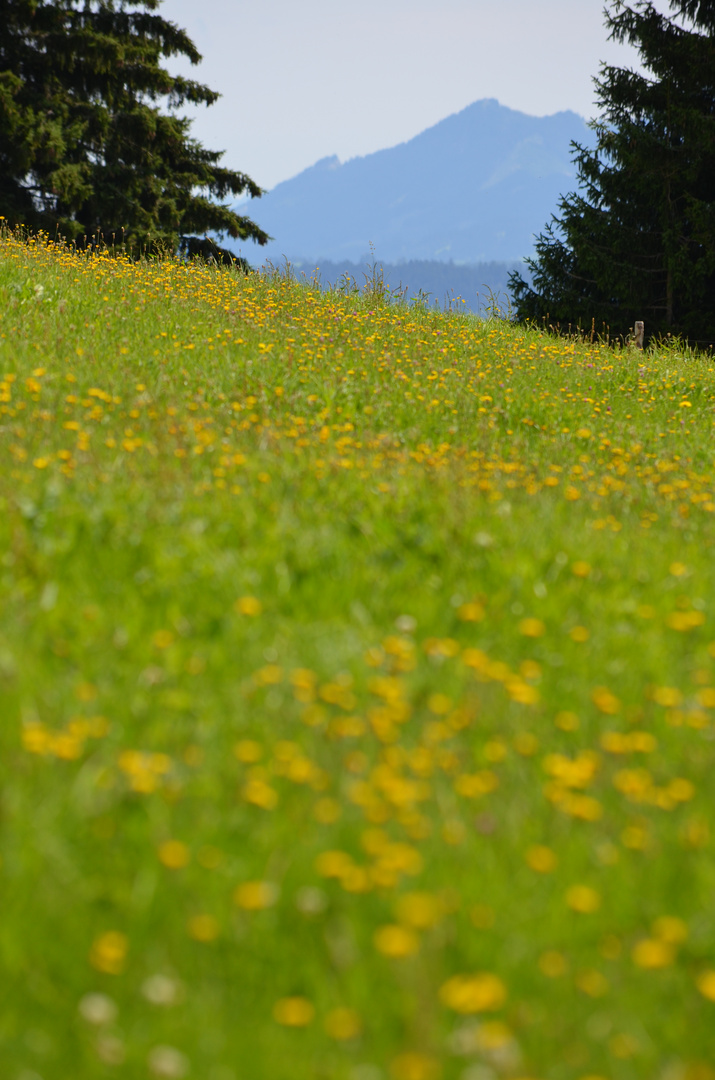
<point x="357" y="666"/>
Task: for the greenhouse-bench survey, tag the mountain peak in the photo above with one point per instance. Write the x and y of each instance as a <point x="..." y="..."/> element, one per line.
<point x="474" y="187"/>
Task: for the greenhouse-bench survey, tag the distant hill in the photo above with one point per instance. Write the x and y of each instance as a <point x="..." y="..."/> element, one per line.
<point x="473" y="188"/>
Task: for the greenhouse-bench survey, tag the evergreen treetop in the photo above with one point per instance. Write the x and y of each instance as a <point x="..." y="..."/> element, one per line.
<point x="637" y="241"/>
<point x="85" y="147"/>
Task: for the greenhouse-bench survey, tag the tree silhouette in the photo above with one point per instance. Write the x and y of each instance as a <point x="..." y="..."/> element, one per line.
<point x="637" y="241"/>
<point x="85" y="146"/>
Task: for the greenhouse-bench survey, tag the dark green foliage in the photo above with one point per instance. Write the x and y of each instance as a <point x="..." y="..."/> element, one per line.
<point x="637" y="241"/>
<point x="85" y="148"/>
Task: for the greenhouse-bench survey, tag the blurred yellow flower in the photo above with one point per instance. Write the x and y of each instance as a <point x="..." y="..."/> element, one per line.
<point x="605" y="701"/>
<point x="470" y="612"/>
<point x="396" y="941"/>
<point x="412" y="1066"/>
<point x="583" y="898"/>
<point x="259" y="793"/>
<point x="652" y="953"/>
<point x="293" y="1012"/>
<point x="342" y="1024"/>
<point x="109" y="952"/>
<point x="420" y="910"/>
<point x="670" y="928"/>
<point x="173" y="854"/>
<point x="592" y="982"/>
<point x="255" y="895"/>
<point x="542" y="859"/>
<point x="705" y="983"/>
<point x="204" y="928"/>
<point x="248" y="751"/>
<point x="480" y="992"/>
<point x="248" y="605"/>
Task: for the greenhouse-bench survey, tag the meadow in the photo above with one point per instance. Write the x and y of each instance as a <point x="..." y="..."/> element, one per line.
<point x="358" y="675"/>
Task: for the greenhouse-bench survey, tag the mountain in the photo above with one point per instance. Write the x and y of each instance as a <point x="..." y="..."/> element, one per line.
<point x="473" y="188"/>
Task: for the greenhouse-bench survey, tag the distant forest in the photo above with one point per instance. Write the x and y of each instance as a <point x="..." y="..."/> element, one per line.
<point x="445" y="283"/>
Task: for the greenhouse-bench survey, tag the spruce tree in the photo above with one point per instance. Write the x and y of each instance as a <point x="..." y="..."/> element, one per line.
<point x="86" y="148"/>
<point x="637" y="240"/>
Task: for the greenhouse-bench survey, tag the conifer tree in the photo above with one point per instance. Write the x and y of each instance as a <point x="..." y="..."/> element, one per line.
<point x="637" y="240"/>
<point x="85" y="148"/>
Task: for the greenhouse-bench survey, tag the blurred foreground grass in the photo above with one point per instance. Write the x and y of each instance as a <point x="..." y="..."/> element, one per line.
<point x="358" y="677"/>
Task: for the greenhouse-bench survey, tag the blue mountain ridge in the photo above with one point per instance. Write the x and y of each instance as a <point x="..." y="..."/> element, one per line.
<point x="474" y="188"/>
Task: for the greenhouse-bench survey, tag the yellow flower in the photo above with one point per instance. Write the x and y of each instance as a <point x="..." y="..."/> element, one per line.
<point x="248" y="605"/>
<point x="685" y="620"/>
<point x="705" y="983"/>
<point x="342" y="1024"/>
<point x="668" y="696"/>
<point x="605" y="701"/>
<point x="396" y="941"/>
<point x="671" y="929"/>
<point x="680" y="789"/>
<point x="532" y="628"/>
<point x="521" y="692"/>
<point x="173" y="854"/>
<point x="109" y="952"/>
<point x="541" y="859"/>
<point x="592" y="982"/>
<point x="293" y="1012"/>
<point x="470" y="612"/>
<point x="259" y="793"/>
<point x="652" y="953"/>
<point x="255" y="895"/>
<point x="248" y="751"/>
<point x="493" y="1035"/>
<point x="204" y="928"/>
<point x="36" y="739"/>
<point x="481" y="992"/>
<point x="333" y="864"/>
<point x="420" y="910"/>
<point x="583" y="898"/>
<point x="415" y="1067"/>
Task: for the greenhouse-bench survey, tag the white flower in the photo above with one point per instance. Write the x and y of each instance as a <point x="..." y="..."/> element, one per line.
<point x="161" y="989"/>
<point x="168" y="1062"/>
<point x="97" y="1009"/>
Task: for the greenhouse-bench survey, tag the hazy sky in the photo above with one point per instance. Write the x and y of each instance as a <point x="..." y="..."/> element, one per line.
<point x="302" y="79"/>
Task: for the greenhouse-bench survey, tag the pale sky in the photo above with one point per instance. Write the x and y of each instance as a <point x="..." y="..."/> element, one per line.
<point x="302" y="79"/>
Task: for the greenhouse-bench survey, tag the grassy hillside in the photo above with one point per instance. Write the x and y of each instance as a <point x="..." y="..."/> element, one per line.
<point x="475" y="288"/>
<point x="358" y="677"/>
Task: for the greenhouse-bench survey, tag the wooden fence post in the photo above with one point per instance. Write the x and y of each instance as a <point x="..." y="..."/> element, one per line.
<point x="638" y="333"/>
